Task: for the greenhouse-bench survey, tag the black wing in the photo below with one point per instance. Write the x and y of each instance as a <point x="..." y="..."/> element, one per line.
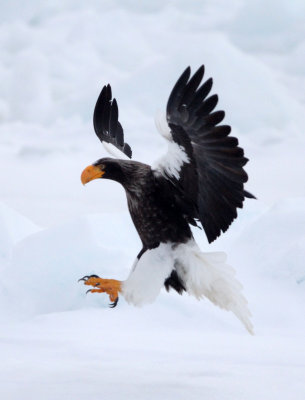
<point x="106" y="123"/>
<point x="212" y="180"/>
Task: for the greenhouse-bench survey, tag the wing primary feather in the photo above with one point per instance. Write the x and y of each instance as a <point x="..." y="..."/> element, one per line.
<point x="201" y="94"/>
<point x="106" y="124"/>
<point x="249" y="195"/>
<point x="208" y="105"/>
<point x="214" y="118"/>
<point x="127" y="150"/>
<point x="192" y="85"/>
<point x="113" y="120"/>
<point x="120" y="135"/>
<point x="98" y="110"/>
<point x="177" y="92"/>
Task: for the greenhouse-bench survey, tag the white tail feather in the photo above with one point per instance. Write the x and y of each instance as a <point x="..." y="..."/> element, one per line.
<point x="208" y="275"/>
<point x="204" y="275"/>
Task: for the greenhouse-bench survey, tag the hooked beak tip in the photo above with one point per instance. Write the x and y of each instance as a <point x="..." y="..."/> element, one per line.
<point x="89" y="173"/>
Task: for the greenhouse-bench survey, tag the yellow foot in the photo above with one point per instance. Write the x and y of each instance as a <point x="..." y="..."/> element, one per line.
<point x="110" y="286"/>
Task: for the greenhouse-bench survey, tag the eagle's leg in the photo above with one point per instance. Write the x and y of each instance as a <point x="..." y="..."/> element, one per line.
<point x="110" y="286"/>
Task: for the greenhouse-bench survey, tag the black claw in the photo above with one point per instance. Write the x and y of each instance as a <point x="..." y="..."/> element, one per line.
<point x="86" y="277"/>
<point x="89" y="290"/>
<point x="114" y="304"/>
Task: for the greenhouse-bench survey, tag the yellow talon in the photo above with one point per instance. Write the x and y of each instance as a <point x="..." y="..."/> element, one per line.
<point x="110" y="286"/>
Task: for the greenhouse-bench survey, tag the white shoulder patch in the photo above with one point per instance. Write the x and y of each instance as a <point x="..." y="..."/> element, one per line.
<point x="114" y="151"/>
<point x="148" y="275"/>
<point x="162" y="125"/>
<point x="170" y="164"/>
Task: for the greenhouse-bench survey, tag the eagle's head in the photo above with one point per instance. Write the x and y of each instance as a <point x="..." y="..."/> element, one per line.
<point x="127" y="172"/>
<point x="108" y="168"/>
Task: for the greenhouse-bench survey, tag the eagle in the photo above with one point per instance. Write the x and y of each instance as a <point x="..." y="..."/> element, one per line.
<point x="199" y="182"/>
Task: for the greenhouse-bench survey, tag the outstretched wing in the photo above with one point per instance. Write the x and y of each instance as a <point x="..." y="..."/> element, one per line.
<point x="106" y="123"/>
<point x="204" y="162"/>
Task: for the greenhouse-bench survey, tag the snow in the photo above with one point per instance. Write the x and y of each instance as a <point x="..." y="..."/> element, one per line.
<point x="55" y="341"/>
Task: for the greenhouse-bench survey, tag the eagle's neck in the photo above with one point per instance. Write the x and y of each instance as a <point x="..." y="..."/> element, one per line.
<point x="134" y="177"/>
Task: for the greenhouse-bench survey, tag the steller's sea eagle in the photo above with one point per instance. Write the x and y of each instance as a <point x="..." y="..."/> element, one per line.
<point x="200" y="181"/>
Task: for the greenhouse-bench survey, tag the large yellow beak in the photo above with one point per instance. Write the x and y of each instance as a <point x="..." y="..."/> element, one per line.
<point x="90" y="173"/>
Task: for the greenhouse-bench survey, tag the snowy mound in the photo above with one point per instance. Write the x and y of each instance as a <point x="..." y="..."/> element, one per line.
<point x="50" y="262"/>
<point x="274" y="244"/>
<point x="13" y="228"/>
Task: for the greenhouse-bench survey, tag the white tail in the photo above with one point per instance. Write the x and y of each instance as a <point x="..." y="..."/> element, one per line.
<point x="208" y="275"/>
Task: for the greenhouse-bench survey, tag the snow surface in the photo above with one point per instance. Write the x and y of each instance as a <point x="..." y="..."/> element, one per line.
<point x="58" y="343"/>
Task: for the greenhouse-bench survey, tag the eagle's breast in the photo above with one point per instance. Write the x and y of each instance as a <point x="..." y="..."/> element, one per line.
<point x="156" y="215"/>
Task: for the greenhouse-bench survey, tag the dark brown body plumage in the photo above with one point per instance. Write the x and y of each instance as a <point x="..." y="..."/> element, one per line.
<point x="155" y="213"/>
